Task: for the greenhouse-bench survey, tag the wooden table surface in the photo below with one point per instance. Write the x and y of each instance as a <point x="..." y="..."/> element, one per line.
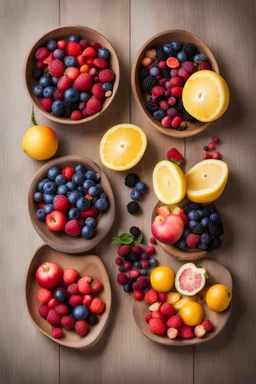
<point x="124" y="355"/>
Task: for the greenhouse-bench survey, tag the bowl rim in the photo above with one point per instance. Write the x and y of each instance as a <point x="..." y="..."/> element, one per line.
<point x="167" y="131"/>
<point x="63" y="120"/>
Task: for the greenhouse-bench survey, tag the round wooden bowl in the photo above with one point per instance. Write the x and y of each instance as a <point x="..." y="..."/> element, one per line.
<point x="187" y="255"/>
<point x="63" y="33"/>
<point x="140" y="97"/>
<point x="85" y="265"/>
<point x="60" y="240"/>
<point x="218" y="274"/>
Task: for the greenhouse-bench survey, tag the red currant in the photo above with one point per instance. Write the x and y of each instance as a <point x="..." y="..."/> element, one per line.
<point x="215" y="139"/>
<point x="206" y="156"/>
<point x="150" y="249"/>
<point x="119" y="261"/>
<point x="211" y="146"/>
<point x="216" y="155"/>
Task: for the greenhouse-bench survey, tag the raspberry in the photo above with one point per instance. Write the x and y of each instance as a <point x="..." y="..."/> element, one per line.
<point x="84" y="43"/>
<point x="123" y="250"/>
<point x="72" y="228"/>
<point x="176" y="92"/>
<point x="92" y="319"/>
<point x="158" y="315"/>
<point x="87" y="299"/>
<point x="184" y="74"/>
<point x="72" y="289"/>
<point x="76" y="115"/>
<point x="57" y="333"/>
<point x="188" y="66"/>
<point x="148" y="317"/>
<point x="62" y="309"/>
<point x="157" y="91"/>
<point x="98" y="92"/>
<point x="151" y="296"/>
<point x="41" y="65"/>
<point x="56" y="68"/>
<point x="52" y="303"/>
<point x="100" y="63"/>
<point x="58" y="95"/>
<point x="70" y="275"/>
<point x="106" y="76"/>
<point x="68" y="322"/>
<point x="43" y="310"/>
<point x="41" y="53"/>
<point x="162" y="297"/>
<point x="75" y="300"/>
<point x="53" y="317"/>
<point x="174" y="322"/>
<point x="61" y="204"/>
<point x="138" y="295"/>
<point x="204" y="65"/>
<point x="207" y="325"/>
<point x="121" y="278"/>
<point x="44" y="295"/>
<point x="81" y="327"/>
<point x="192" y="240"/>
<point x="93" y="106"/>
<point x="64" y="83"/>
<point x="73" y="49"/>
<point x="141" y="283"/>
<point x="137" y="249"/>
<point x="46" y="104"/>
<point x="157" y="326"/>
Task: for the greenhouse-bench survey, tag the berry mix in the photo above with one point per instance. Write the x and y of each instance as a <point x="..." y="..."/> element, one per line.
<point x="66" y="299"/>
<point x="74" y="78"/>
<point x="211" y="147"/>
<point x="70" y="200"/>
<point x="139" y="188"/>
<point x="164" y="73"/>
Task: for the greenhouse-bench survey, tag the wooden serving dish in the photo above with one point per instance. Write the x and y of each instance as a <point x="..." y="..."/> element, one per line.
<point x="85" y="265"/>
<point x="140" y="97"/>
<point x="60" y="240"/>
<point x="218" y="274"/>
<point x="62" y="33"/>
<point x="187" y="255"/>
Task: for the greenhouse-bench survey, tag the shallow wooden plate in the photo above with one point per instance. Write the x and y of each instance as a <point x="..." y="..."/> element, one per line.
<point x="61" y="241"/>
<point x="85" y="265"/>
<point x="140" y="97"/>
<point x="218" y="274"/>
<point x="187" y="255"/>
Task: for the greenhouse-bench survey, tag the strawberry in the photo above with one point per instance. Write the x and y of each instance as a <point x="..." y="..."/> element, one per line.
<point x="174" y="156"/>
<point x="53" y="317"/>
<point x="157" y="91"/>
<point x="58" y="95"/>
<point x="151" y="296"/>
<point x="41" y="53"/>
<point x="72" y="73"/>
<point x="43" y="310"/>
<point x="185" y="332"/>
<point x="163" y="211"/>
<point x="96" y="286"/>
<point x="84" y="43"/>
<point x="97" y="306"/>
<point x="98" y="92"/>
<point x="199" y="331"/>
<point x="68" y="322"/>
<point x="68" y="172"/>
<point x="46" y="104"/>
<point x="62" y="309"/>
<point x="157" y="326"/>
<point x="80" y="60"/>
<point x="48" y="59"/>
<point x="121" y="278"/>
<point x="207" y="325"/>
<point x="56" y="221"/>
<point x="61" y="44"/>
<point x="148" y="317"/>
<point x="73" y="49"/>
<point x="174" y="322"/>
<point x="64" y="83"/>
<point x="57" y="333"/>
<point x="44" y="295"/>
<point x="176" y="92"/>
<point x="81" y="327"/>
<point x="89" y="52"/>
<point x="76" y="115"/>
<point x="72" y="289"/>
<point x="192" y="240"/>
<point x="162" y="297"/>
<point x="84" y="286"/>
<point x="158" y="315"/>
<point x="93" y="106"/>
<point x="123" y="250"/>
<point x="75" y="300"/>
<point x="138" y="295"/>
<point x="72" y="228"/>
<point x="100" y="63"/>
<point x="87" y="299"/>
<point x="204" y="65"/>
<point x="70" y="275"/>
<point x="83" y="82"/>
<point x="56" y="68"/>
<point x="95" y="45"/>
<point x="172" y="333"/>
<point x="177" y="81"/>
<point x="91" y="212"/>
<point x="106" y="75"/>
<point x="61" y="204"/>
<point x="52" y="303"/>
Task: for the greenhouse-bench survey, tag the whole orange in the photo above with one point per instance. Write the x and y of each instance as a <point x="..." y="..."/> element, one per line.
<point x="40" y="142"/>
<point x="162" y="279"/>
<point x="218" y="297"/>
<point x="192" y="313"/>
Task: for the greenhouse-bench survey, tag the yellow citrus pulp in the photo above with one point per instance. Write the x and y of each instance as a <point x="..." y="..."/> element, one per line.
<point x="162" y="279"/>
<point x="192" y="314"/>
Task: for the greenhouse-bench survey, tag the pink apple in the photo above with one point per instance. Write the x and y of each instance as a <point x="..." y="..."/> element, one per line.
<point x="49" y="275"/>
<point x="167" y="229"/>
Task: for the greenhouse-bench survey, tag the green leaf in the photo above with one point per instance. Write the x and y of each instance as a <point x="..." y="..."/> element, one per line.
<point x="206" y="275"/>
<point x="122" y="238"/>
<point x="33" y="120"/>
<point x="139" y="240"/>
<point x="175" y="161"/>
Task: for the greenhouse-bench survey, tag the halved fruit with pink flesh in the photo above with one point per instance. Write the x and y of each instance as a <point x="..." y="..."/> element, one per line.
<point x="190" y="279"/>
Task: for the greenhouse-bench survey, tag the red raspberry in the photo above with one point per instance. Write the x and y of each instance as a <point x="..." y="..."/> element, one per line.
<point x="76" y="115"/>
<point x="87" y="299"/>
<point x="62" y="309"/>
<point x="95" y="45"/>
<point x="121" y="278"/>
<point x="41" y="65"/>
<point x="73" y="49"/>
<point x="83" y="285"/>
<point x="91" y="212"/>
<point x="58" y="95"/>
<point x="41" y="53"/>
<point x="68" y="322"/>
<point x="176" y="92"/>
<point x="216" y="155"/>
<point x="64" y="83"/>
<point x="81" y="327"/>
<point x="207" y="325"/>
<point x="192" y="240"/>
<point x="148" y="317"/>
<point x="72" y="228"/>
<point x="56" y="68"/>
<point x="70" y="275"/>
<point x="83" y="82"/>
<point x="188" y="66"/>
<point x="150" y="250"/>
<point x="167" y="309"/>
<point x="119" y="261"/>
<point x="46" y="104"/>
<point x="100" y="63"/>
<point x="43" y="310"/>
<point x="211" y="146"/>
<point x="53" y="317"/>
<point x="75" y="300"/>
<point x="57" y="333"/>
<point x="177" y="81"/>
<point x="204" y="66"/>
<point x="184" y="74"/>
<point x="157" y="91"/>
<point x="207" y="156"/>
<point x="186" y="332"/>
<point x="123" y="250"/>
<point x="93" y="106"/>
<point x="162" y="297"/>
<point x="137" y="249"/>
<point x="152" y="240"/>
<point x="61" y="204"/>
<point x="61" y="44"/>
<point x="161" y="65"/>
<point x="44" y="295"/>
<point x="174" y="322"/>
<point x="138" y="295"/>
<point x="84" y="43"/>
<point x="52" y="303"/>
<point x="80" y="61"/>
<point x="106" y="75"/>
<point x="72" y="289"/>
<point x="98" y="92"/>
<point x="68" y="172"/>
<point x="141" y="283"/>
<point x="176" y="122"/>
<point x="158" y="315"/>
<point x="97" y="306"/>
<point x="89" y="52"/>
<point x="157" y="326"/>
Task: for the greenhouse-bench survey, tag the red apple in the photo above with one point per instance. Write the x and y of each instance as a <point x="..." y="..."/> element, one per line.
<point x="167" y="229"/>
<point x="56" y="221"/>
<point x="176" y="210"/>
<point x="49" y="275"/>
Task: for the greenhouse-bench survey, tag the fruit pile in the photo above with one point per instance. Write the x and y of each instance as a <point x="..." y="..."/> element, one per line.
<point x="70" y="200"/>
<point x="73" y="77"/>
<point x="211" y="147"/>
<point x="139" y="188"/>
<point x="164" y="73"/>
<point x="66" y="299"/>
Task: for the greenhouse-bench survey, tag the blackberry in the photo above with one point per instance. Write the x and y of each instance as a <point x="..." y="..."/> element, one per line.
<point x="215" y="229"/>
<point x="131" y="179"/>
<point x="198" y="229"/>
<point x="135" y="231"/>
<point x="166" y="72"/>
<point x="37" y="73"/>
<point x="143" y="72"/>
<point x="209" y="209"/>
<point x="211" y="246"/>
<point x="192" y="207"/>
<point x="179" y="105"/>
<point x="68" y="108"/>
<point x="151" y="106"/>
<point x="133" y="207"/>
<point x="128" y="286"/>
<point x="92" y="319"/>
<point x="187" y="116"/>
<point x="217" y="242"/>
<point x="189" y="49"/>
<point x="132" y="256"/>
<point x="148" y="83"/>
<point x="161" y="56"/>
<point x="161" y="98"/>
<point x="172" y="54"/>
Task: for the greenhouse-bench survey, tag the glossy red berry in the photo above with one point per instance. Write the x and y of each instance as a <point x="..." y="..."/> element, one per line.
<point x="119" y="261"/>
<point x="215" y="139"/>
<point x="216" y="155"/>
<point x="152" y="240"/>
<point x="211" y="146"/>
<point x="206" y="156"/>
<point x="150" y="250"/>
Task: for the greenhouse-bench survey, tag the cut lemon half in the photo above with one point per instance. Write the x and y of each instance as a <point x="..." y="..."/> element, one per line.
<point x="169" y="182"/>
<point x="206" y="180"/>
<point x="122" y="146"/>
<point x="205" y="95"/>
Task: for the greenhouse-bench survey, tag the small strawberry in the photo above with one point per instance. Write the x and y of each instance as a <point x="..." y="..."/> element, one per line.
<point x="186" y="332"/>
<point x="167" y="309"/>
<point x="73" y="49"/>
<point x="72" y="289"/>
<point x="52" y="303"/>
<point x="138" y="295"/>
<point x="41" y="53"/>
<point x="58" y="95"/>
<point x="68" y="322"/>
<point x="62" y="309"/>
<point x="81" y="327"/>
<point x="175" y="156"/>
<point x="93" y="106"/>
<point x="157" y="326"/>
<point x="100" y="63"/>
<point x="172" y="333"/>
<point x="137" y="249"/>
<point x="87" y="299"/>
<point x="83" y="82"/>
<point x="151" y="296"/>
<point x="158" y="315"/>
<point x="174" y="322"/>
<point x="76" y="115"/>
<point x="84" y="286"/>
<point x="64" y="83"/>
<point x="199" y="331"/>
<point x="43" y="310"/>
<point x="57" y="333"/>
<point x="96" y="286"/>
<point x="123" y="250"/>
<point x="204" y="65"/>
<point x="106" y="76"/>
<point x="80" y="61"/>
<point x="192" y="240"/>
<point x="75" y="300"/>
<point x="53" y="317"/>
<point x="46" y="104"/>
<point x="157" y="91"/>
<point x="70" y="275"/>
<point x="97" y="306"/>
<point x="207" y="325"/>
<point x="89" y="52"/>
<point x="148" y="317"/>
<point x="72" y="73"/>
<point x="44" y="295"/>
<point x="68" y="172"/>
<point x="61" y="44"/>
<point x="162" y="297"/>
<point x="56" y="68"/>
<point x="177" y="81"/>
<point x="72" y="228"/>
<point x="48" y="59"/>
<point x="121" y="278"/>
<point x="98" y="92"/>
<point x="61" y="204"/>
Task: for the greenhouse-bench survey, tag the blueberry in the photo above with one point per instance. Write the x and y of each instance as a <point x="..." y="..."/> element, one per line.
<point x="55" y="197"/>
<point x="53" y="172"/>
<point x="57" y="107"/>
<point x="153" y="262"/>
<point x="137" y="265"/>
<point x="205" y="238"/>
<point x="141" y="187"/>
<point x="38" y="90"/>
<point x="103" y="53"/>
<point x="71" y="95"/>
<point x="45" y="81"/>
<point x="193" y="215"/>
<point x="205" y="221"/>
<point x="50" y="187"/>
<point x="75" y="38"/>
<point x="186" y="232"/>
<point x="80" y="168"/>
<point x="51" y="45"/>
<point x="91" y="222"/>
<point x="38" y="197"/>
<point x="84" y="96"/>
<point x="74" y="214"/>
<point x="80" y="312"/>
<point x="144" y="256"/>
<point x="88" y="184"/>
<point x="74" y="195"/>
<point x="58" y="54"/>
<point x="199" y="57"/>
<point x="101" y="204"/>
<point x="126" y="287"/>
<point x="40" y="214"/>
<point x="176" y="46"/>
<point x="87" y="232"/>
<point x="48" y="198"/>
<point x="103" y="196"/>
<point x="135" y="195"/>
<point x="154" y="71"/>
<point x="167" y="48"/>
<point x="94" y="190"/>
<point x="59" y="294"/>
<point x="144" y="272"/>
<point x="107" y="87"/>
<point x="200" y="213"/>
<point x="80" y="188"/>
<point x="62" y="190"/>
<point x="41" y="183"/>
<point x="90" y="175"/>
<point x="82" y="203"/>
<point x="121" y="269"/>
<point x="192" y="223"/>
<point x="202" y="246"/>
<point x="60" y="180"/>
<point x="55" y="80"/>
<point x="181" y="56"/>
<point x="214" y="217"/>
<point x="206" y="148"/>
<point x="71" y="186"/>
<point x="181" y="244"/>
<point x="78" y="178"/>
<point x="159" y="114"/>
<point x="48" y="208"/>
<point x="70" y="61"/>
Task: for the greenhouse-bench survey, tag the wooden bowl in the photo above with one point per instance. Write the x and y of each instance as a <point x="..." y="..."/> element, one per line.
<point x="218" y="274"/>
<point x="186" y="255"/>
<point x="85" y="265"/>
<point x="140" y="97"/>
<point x="63" y="33"/>
<point x="60" y="240"/>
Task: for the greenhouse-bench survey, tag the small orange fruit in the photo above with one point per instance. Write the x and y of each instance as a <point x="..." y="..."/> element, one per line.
<point x="192" y="313"/>
<point x="40" y="142"/>
<point x="162" y="279"/>
<point x="84" y="68"/>
<point x="218" y="297"/>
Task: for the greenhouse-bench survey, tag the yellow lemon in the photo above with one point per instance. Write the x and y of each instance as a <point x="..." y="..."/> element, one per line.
<point x="162" y="279"/>
<point x="40" y="142"/>
<point x="169" y="182"/>
<point x="122" y="146"/>
<point x="218" y="297"/>
<point x="206" y="180"/>
<point x="205" y="95"/>
<point x="192" y="314"/>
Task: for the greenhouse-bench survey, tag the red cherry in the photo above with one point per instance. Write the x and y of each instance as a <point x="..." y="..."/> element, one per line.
<point x="211" y="146"/>
<point x="119" y="261"/>
<point x="127" y="265"/>
<point x="206" y="156"/>
<point x="150" y="249"/>
<point x="216" y="155"/>
<point x="215" y="139"/>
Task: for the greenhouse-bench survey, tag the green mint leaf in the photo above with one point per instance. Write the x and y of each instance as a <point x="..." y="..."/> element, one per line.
<point x="139" y="240"/>
<point x="122" y="238"/>
<point x="206" y="275"/>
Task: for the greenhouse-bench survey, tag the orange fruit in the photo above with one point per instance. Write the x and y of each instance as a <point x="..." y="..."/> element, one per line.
<point x="162" y="279"/>
<point x="84" y="68"/>
<point x="192" y="313"/>
<point x="218" y="297"/>
<point x="40" y="142"/>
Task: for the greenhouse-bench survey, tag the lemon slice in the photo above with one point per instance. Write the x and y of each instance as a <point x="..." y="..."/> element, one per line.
<point x="206" y="180"/>
<point x="122" y="146"/>
<point x="205" y="95"/>
<point x="169" y="182"/>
